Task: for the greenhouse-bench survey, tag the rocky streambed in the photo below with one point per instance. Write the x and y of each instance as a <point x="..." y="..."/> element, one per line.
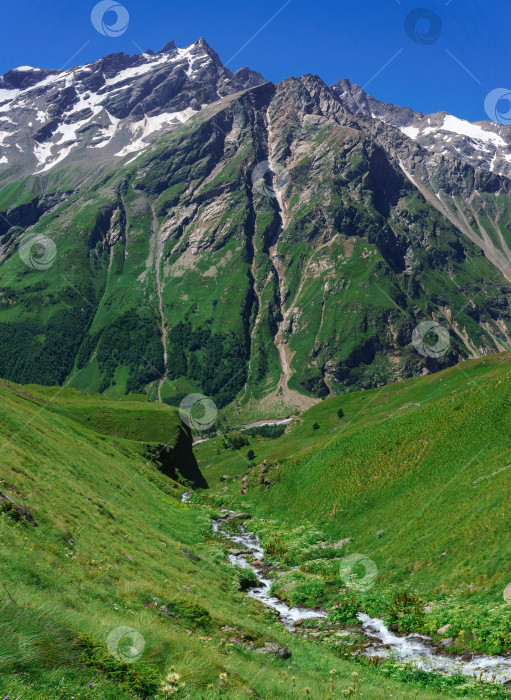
<point x="249" y="546"/>
<point x="374" y="637"/>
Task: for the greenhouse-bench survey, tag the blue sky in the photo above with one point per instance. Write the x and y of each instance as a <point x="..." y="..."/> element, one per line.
<point x="332" y="38"/>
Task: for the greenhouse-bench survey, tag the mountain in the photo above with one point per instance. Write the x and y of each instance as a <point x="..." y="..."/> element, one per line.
<point x="485" y="145"/>
<point x="279" y="246"/>
<point x="110" y="109"/>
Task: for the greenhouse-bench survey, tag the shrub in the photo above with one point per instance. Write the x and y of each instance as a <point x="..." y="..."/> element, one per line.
<point x="266" y="431"/>
<point x="236" y="440"/>
<point x="346" y="611"/>
<point x="192" y="613"/>
<point x="246" y="579"/>
<point x="139" y="678"/>
<point x="9" y="509"/>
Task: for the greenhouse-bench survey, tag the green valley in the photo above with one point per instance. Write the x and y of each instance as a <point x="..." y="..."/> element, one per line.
<point x="109" y="544"/>
<point x="95" y="538"/>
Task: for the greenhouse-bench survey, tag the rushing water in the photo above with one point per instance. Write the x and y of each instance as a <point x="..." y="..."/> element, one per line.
<point x="249" y="542"/>
<point x="416" y="649"/>
<point x="420" y="651"/>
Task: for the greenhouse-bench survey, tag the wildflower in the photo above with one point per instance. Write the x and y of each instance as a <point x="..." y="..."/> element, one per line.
<point x="333" y="671"/>
<point x="222" y="679"/>
<point x="173" y="678"/>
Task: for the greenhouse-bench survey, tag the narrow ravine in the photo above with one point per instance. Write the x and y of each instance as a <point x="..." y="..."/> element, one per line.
<point x="158" y="256"/>
<point x="416" y="649"/>
<point x="291" y="396"/>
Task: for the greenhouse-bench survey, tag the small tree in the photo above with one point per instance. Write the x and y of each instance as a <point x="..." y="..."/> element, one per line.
<point x="340" y="413"/>
<point x="251" y="455"/>
<point x="315" y="426"/>
<point x="236" y="440"/>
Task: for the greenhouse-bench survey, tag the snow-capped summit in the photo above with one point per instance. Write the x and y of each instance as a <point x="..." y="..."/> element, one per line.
<point x="114" y="107"/>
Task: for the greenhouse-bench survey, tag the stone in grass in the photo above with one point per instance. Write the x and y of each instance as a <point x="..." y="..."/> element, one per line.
<point x="447" y="642"/>
<point x="189" y="555"/>
<point x="443" y="630"/>
<point x="276" y="649"/>
<point x="240" y="516"/>
<point x="507" y="593"/>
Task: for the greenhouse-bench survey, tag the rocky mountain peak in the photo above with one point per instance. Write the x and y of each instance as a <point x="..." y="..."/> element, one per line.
<point x="483" y="145"/>
<point x="168" y="47"/>
<point x="114" y="107"/>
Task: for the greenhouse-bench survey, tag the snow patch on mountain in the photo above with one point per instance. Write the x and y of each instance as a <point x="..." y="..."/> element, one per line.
<point x="151" y="125"/>
<point x="473" y="131"/>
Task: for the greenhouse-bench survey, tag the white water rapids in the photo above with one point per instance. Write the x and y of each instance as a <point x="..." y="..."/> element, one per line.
<point x="416" y="649"/>
<point x="249" y="543"/>
<point x="419" y="650"/>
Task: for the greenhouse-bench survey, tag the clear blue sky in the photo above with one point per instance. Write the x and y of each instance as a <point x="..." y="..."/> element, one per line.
<point x="332" y="38"/>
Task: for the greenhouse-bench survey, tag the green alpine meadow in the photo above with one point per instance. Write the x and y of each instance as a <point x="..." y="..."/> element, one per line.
<point x="255" y="383"/>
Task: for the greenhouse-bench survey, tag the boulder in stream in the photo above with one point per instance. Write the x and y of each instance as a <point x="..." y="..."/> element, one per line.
<point x="447" y="642"/>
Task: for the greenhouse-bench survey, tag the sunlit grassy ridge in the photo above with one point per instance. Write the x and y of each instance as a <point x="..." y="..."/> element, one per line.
<point x="113" y="542"/>
<point x="423" y="460"/>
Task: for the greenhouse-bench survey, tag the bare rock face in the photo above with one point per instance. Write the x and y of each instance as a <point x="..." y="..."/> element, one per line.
<point x="484" y="145"/>
<point x="507" y="593"/>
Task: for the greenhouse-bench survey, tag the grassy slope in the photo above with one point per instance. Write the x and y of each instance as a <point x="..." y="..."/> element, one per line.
<point x="403" y="459"/>
<point x="97" y="560"/>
